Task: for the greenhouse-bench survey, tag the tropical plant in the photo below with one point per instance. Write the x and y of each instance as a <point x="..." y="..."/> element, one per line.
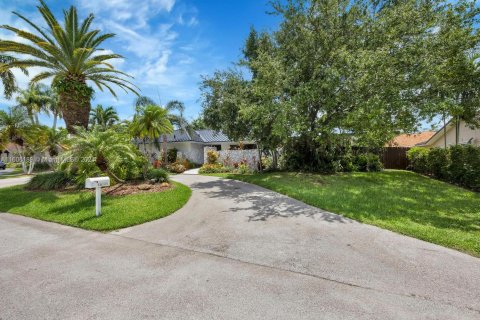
<point x="52" y="105"/>
<point x="100" y="152"/>
<point x="13" y="124"/>
<point x="35" y="100"/>
<point x="7" y="77"/>
<point x="71" y="54"/>
<point x="29" y="140"/>
<point x="55" y="141"/>
<point x="103" y="117"/>
<point x="151" y="123"/>
<point x="49" y="181"/>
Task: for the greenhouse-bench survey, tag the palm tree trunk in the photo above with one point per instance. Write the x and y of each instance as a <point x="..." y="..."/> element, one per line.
<point x="151" y="150"/>
<point x="165" y="148"/>
<point x="75" y="104"/>
<point x="55" y="117"/>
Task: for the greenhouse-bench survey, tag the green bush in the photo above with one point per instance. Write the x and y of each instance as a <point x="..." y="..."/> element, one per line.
<point x="41" y="166"/>
<point x="418" y="158"/>
<point x="367" y="162"/>
<point x="438" y="161"/>
<point x="159" y="175"/>
<point x="464" y="166"/>
<point x="172" y="155"/>
<point x="49" y="181"/>
<point x="458" y="164"/>
<point x="214" y="168"/>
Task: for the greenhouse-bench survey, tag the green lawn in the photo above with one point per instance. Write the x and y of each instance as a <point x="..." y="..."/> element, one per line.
<point x="78" y="208"/>
<point x="400" y="201"/>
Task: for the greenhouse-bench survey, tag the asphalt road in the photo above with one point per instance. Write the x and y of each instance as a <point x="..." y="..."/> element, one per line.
<point x="235" y="251"/>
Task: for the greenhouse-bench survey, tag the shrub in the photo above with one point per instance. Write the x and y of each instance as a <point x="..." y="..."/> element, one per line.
<point x="41" y="166"/>
<point x="212" y="156"/>
<point x="367" y="162"/>
<point x="49" y="181"/>
<point x="438" y="161"/>
<point x="243" y="168"/>
<point x="172" y="155"/>
<point x="159" y="175"/>
<point x="464" y="166"/>
<point x="418" y="158"/>
<point x="213" y="168"/>
<point x="176" y="168"/>
<point x="184" y="162"/>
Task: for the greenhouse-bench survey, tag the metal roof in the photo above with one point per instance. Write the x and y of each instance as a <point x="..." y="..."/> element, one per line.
<point x="202" y="136"/>
<point x="212" y="136"/>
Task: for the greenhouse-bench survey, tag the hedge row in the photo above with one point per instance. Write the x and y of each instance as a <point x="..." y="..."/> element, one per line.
<point x="458" y="164"/>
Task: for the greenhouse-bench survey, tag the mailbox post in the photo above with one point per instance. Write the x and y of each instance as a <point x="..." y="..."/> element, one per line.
<point x="97" y="184"/>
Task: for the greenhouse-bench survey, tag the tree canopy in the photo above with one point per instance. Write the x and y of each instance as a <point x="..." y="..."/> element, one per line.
<point x="342" y="72"/>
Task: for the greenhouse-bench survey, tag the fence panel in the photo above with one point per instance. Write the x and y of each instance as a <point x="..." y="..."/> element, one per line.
<point x="395" y="157"/>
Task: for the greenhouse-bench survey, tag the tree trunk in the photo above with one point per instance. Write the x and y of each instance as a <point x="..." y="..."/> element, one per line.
<point x="150" y="158"/>
<point x="165" y="149"/>
<point x="260" y="166"/>
<point x="457" y="130"/>
<point x="75" y="103"/>
<point x="444" y="131"/>
<point x="55" y="117"/>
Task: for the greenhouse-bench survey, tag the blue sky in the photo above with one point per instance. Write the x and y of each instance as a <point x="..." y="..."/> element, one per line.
<point x="167" y="44"/>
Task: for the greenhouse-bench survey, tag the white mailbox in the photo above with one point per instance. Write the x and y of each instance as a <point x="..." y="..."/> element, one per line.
<point x="92" y="183"/>
<point x="97" y="184"/>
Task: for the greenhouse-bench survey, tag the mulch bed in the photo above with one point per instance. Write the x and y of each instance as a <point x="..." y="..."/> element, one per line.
<point x="123" y="189"/>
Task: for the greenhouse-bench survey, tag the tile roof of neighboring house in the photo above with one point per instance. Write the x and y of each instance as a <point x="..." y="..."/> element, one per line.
<point x="410" y="140"/>
<point x="10" y="147"/>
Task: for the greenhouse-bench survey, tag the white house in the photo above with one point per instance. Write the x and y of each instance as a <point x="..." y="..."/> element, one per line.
<point x="466" y="135"/>
<point x="190" y="145"/>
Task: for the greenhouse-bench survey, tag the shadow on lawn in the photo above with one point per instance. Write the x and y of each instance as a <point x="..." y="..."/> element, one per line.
<point x="263" y="204"/>
<point x="13" y="197"/>
<point x="388" y="195"/>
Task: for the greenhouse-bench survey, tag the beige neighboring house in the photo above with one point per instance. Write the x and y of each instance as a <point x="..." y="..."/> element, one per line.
<point x="466" y="135"/>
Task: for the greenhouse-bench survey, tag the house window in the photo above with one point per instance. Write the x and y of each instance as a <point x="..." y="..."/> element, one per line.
<point x="217" y="146"/>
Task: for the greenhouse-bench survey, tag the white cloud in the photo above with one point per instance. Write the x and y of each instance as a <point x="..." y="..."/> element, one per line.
<point x="138" y="13"/>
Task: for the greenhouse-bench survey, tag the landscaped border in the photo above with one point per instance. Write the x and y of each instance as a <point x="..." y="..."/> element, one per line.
<point x="77" y="208"/>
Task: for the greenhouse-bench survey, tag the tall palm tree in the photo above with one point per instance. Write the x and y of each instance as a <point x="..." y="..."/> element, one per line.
<point x="151" y="123"/>
<point x="34" y="100"/>
<point x="103" y="117"/>
<point x="52" y="106"/>
<point x="177" y="120"/>
<point x="14" y="127"/>
<point x="13" y="123"/>
<point x="71" y="55"/>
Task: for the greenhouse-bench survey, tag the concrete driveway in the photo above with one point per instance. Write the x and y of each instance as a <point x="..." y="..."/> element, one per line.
<point x="9" y="182"/>
<point x="235" y="251"/>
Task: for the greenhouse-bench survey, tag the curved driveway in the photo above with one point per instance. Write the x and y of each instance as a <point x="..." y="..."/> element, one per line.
<point x="235" y="251"/>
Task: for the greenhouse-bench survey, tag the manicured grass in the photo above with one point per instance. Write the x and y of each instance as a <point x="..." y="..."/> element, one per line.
<point x="78" y="208"/>
<point x="401" y="201"/>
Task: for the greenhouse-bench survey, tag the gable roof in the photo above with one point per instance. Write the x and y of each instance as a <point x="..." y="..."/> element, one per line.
<point x="410" y="140"/>
<point x="447" y="127"/>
